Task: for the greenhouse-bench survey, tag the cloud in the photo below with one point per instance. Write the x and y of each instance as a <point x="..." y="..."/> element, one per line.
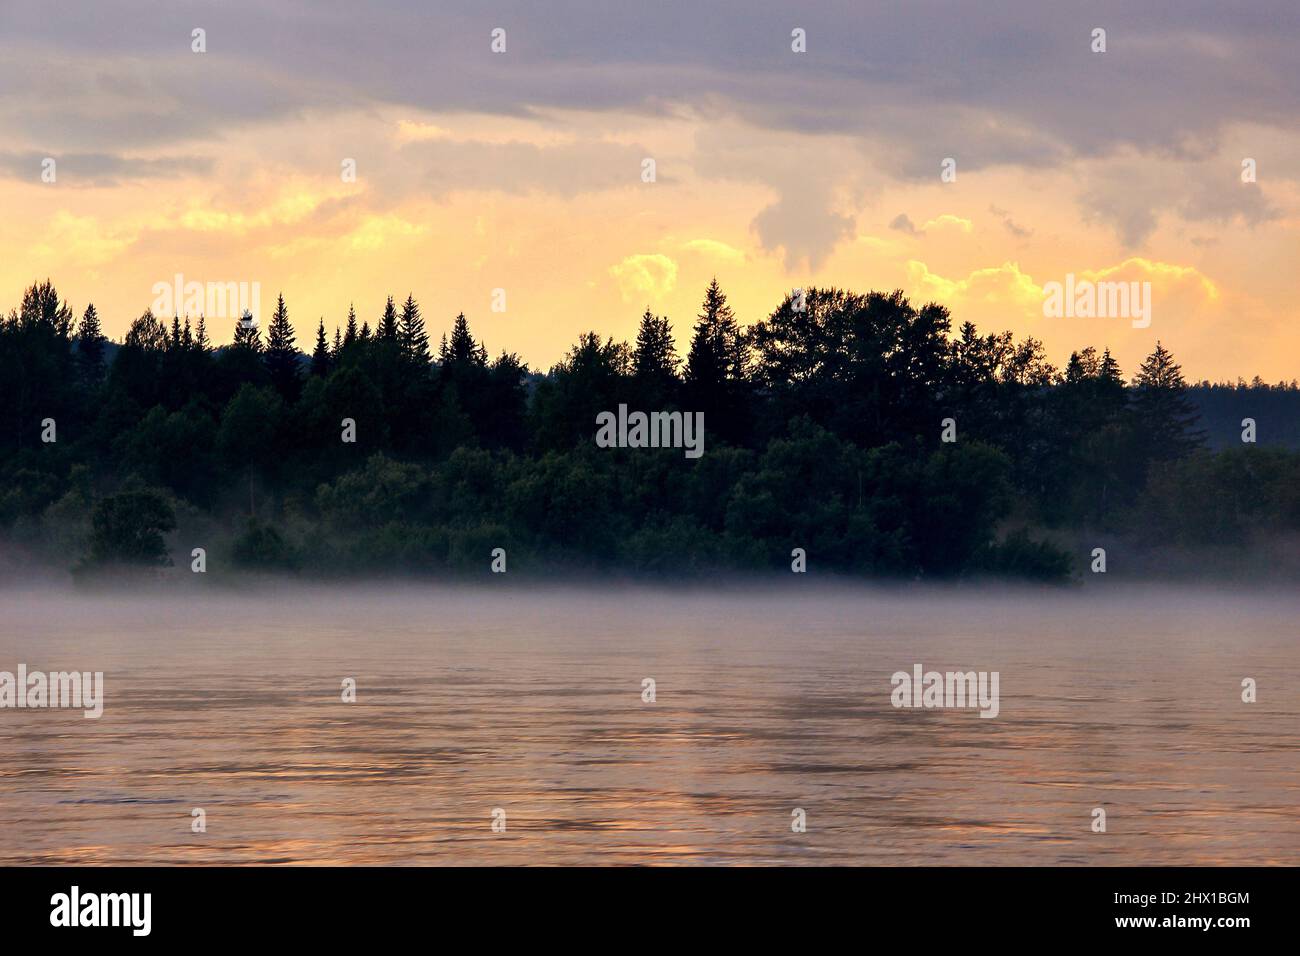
<point x="996" y="285"/>
<point x="1020" y="232"/>
<point x="1017" y="85"/>
<point x="1167" y="274"/>
<point x="83" y="240"/>
<point x="803" y="226"/>
<point x="644" y="276"/>
<point x="946" y="220"/>
<point x="443" y="165"/>
<point x="715" y="250"/>
<point x="1132" y="194"/>
<point x="101" y="169"/>
<point x="377" y="231"/>
<point x="903" y="223"/>
<point x="409" y="131"/>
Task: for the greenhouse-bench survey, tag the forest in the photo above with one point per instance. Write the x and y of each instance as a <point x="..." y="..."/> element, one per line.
<point x="863" y="429"/>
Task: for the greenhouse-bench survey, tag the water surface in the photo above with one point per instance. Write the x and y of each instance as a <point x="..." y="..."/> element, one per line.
<point x="469" y="700"/>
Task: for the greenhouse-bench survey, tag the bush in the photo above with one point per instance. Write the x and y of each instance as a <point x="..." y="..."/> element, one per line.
<point x="262" y="547"/>
<point x="1020" y="556"/>
<point x="128" y="528"/>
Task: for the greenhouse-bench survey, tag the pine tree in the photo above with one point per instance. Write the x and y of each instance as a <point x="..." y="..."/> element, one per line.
<point x="338" y="345"/>
<point x="320" y="357"/>
<point x="90" y="346"/>
<point x="415" y="340"/>
<point x="1165" y="417"/>
<point x="364" y="335"/>
<point x="281" y="354"/>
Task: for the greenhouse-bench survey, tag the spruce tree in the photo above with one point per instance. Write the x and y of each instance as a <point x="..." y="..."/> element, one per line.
<point x="656" y="354"/>
<point x="655" y="361"/>
<point x="201" y="340"/>
<point x="90" y="346"/>
<point x="350" y="332"/>
<point x="281" y="354"/>
<point x="414" y="338"/>
<point x="320" y="357"/>
<point x="462" y="349"/>
<point x="1165" y="417"/>
<point x="387" y="330"/>
<point x="718" y="350"/>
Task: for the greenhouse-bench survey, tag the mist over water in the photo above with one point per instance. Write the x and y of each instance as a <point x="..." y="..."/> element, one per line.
<point x="767" y="700"/>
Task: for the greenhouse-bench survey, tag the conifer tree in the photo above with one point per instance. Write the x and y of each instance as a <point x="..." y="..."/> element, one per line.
<point x="350" y="332"/>
<point x="656" y="355"/>
<point x="718" y="349"/>
<point x="414" y="338"/>
<point x="90" y="346"/>
<point x="281" y="354"/>
<point x="1164" y="415"/>
<point x="387" y="330"/>
<point x="462" y="349"/>
<point x="201" y="341"/>
<point x="320" y="356"/>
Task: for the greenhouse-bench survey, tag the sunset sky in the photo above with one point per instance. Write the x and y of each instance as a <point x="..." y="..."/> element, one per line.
<point x="522" y="170"/>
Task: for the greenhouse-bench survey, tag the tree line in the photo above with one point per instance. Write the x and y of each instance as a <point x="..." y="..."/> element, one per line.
<point x="825" y="421"/>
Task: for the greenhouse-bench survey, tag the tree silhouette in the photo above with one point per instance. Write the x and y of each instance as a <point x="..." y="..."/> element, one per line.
<point x="1165" y="417"/>
<point x="281" y="354"/>
<point x="414" y="339"/>
<point x="90" y="346"/>
<point x="822" y="424"/>
<point x="321" y="356"/>
<point x="387" y="328"/>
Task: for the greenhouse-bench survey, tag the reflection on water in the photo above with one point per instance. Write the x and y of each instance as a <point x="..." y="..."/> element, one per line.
<point x="531" y="702"/>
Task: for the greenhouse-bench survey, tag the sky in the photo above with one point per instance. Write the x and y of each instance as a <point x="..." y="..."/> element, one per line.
<point x="774" y="169"/>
